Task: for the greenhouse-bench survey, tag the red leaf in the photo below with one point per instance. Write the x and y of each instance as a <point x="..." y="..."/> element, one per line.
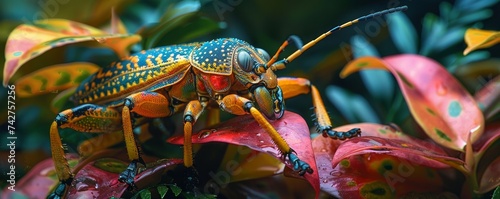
<point x="389" y="165"/>
<point x="486" y="158"/>
<point x="245" y="131"/>
<point x="95" y="180"/>
<point x="437" y="101"/>
<point x="491" y="134"/>
<point x="99" y="178"/>
<point x="38" y="182"/>
<point x="488" y="98"/>
<point x="96" y="176"/>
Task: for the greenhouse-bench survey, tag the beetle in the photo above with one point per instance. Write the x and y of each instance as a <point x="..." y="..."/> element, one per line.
<point x="227" y="73"/>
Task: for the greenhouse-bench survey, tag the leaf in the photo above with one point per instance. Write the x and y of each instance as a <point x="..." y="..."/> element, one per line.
<point x="476" y="16"/>
<point x="440" y="105"/>
<point x="98" y="176"/>
<point x="379" y="83"/>
<point x="38" y="182"/>
<point x="117" y="26"/>
<point x="352" y="106"/>
<point x="61" y="100"/>
<point x="386" y="138"/>
<point x="496" y="193"/>
<point x="145" y="194"/>
<point x="245" y="131"/>
<point x="177" y="190"/>
<point x="162" y="190"/>
<point x="54" y="78"/>
<point x="383" y="163"/>
<point x="450" y="38"/>
<point x="93" y="12"/>
<point x="176" y="15"/>
<point x="432" y="31"/>
<point x="402" y="32"/>
<point x="241" y="163"/>
<point x="187" y="32"/>
<point x="486" y="158"/>
<point x="476" y="5"/>
<point x="488" y="98"/>
<point x="491" y="177"/>
<point x="477" y="39"/>
<point x="475" y="75"/>
<point x="27" y="42"/>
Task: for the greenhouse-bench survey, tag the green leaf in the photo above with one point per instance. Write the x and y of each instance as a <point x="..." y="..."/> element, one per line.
<point x="162" y="190"/>
<point x="496" y="193"/>
<point x="454" y="61"/>
<point x="451" y="37"/>
<point x="474" y="16"/>
<point x="194" y="29"/>
<point x="434" y="30"/>
<point x="427" y="24"/>
<point x="145" y="194"/>
<point x="380" y="84"/>
<point x="446" y="10"/>
<point x="177" y="15"/>
<point x="353" y="107"/>
<point x="402" y="32"/>
<point x="177" y="190"/>
<point x="361" y="47"/>
<point x="476" y="5"/>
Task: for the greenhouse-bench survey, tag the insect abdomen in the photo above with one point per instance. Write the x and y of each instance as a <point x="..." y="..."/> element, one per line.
<point x="147" y="70"/>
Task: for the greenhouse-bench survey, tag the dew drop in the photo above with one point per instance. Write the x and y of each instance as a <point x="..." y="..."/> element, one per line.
<point x="80" y="186"/>
<point x="258" y="134"/>
<point x="441" y="89"/>
<point x="323" y="150"/>
<point x="262" y="141"/>
<point x="206" y="133"/>
<point x="325" y="181"/>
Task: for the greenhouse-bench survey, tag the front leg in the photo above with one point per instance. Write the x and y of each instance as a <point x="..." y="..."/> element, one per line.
<point x="292" y="87"/>
<point x="237" y="105"/>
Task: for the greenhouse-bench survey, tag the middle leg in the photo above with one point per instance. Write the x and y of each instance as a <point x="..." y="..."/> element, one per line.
<point x="292" y="87"/>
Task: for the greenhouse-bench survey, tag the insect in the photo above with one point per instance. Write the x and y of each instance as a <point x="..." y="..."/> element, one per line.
<point x="226" y="73"/>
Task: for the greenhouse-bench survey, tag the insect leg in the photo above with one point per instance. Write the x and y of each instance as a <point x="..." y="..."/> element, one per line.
<point x="292" y="87"/>
<point x="147" y="104"/>
<point x="239" y="106"/>
<point x="87" y="118"/>
<point x="191" y="114"/>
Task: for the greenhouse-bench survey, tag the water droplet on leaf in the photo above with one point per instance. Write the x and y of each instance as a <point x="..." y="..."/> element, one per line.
<point x="441" y="89"/>
<point x="206" y="133"/>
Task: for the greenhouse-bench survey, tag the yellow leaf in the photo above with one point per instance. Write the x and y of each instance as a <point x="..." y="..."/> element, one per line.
<point x="27" y="42"/>
<point x="54" y="78"/>
<point x="477" y="39"/>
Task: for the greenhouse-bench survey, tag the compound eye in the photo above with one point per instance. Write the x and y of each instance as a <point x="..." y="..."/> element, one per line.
<point x="264" y="53"/>
<point x="245" y="61"/>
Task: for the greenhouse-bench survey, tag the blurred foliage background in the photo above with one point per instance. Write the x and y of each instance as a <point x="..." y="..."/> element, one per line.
<point x="431" y="28"/>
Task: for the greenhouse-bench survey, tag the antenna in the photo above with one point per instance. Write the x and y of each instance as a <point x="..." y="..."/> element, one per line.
<point x="281" y="64"/>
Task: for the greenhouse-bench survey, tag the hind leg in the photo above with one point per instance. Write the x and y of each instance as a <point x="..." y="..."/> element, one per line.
<point x="88" y="118"/>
